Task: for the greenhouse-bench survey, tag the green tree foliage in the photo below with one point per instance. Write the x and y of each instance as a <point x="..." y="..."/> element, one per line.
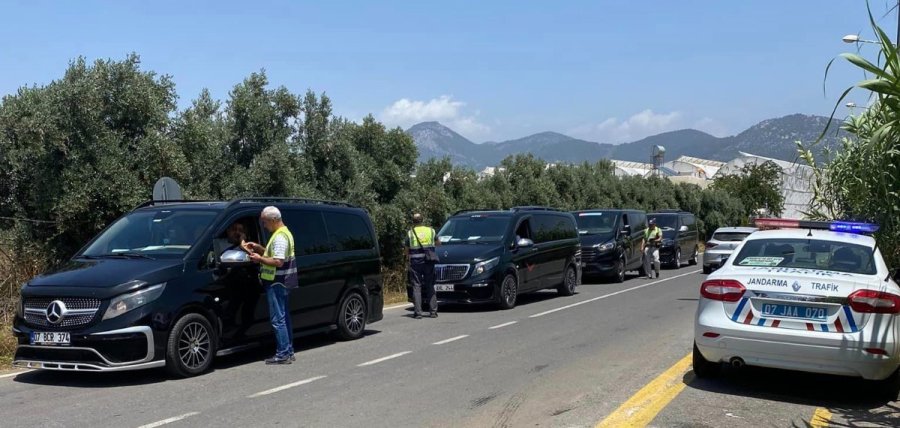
<point x="758" y="186"/>
<point x="862" y="181"/>
<point x="87" y="148"/>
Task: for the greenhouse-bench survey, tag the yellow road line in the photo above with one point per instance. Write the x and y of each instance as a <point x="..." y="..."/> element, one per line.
<point x="821" y="418"/>
<point x="643" y="406"/>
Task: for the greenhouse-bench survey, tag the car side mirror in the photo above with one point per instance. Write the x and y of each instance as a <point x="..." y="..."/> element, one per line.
<point x="683" y="228"/>
<point x="524" y="243"/>
<point x="625" y="231"/>
<point x="234" y="258"/>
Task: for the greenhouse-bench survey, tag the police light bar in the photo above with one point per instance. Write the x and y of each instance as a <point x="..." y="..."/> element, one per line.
<point x="834" y="226"/>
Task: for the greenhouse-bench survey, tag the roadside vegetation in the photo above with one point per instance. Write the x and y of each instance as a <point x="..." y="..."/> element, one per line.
<point x="80" y="151"/>
<point x="862" y="180"/>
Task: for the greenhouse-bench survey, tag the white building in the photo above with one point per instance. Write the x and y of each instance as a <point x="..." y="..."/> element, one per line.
<point x="796" y="186"/>
<point x="626" y="168"/>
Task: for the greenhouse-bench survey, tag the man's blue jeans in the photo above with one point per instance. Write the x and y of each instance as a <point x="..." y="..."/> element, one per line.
<point x="279" y="314"/>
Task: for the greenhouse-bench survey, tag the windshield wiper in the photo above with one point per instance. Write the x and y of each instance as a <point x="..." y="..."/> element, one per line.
<point x="120" y="256"/>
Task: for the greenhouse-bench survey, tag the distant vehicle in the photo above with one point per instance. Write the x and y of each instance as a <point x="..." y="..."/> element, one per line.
<point x="719" y="247"/>
<point x="494" y="256"/>
<point x="813" y="296"/>
<point x="160" y="287"/>
<point x="681" y="238"/>
<point x="611" y="241"/>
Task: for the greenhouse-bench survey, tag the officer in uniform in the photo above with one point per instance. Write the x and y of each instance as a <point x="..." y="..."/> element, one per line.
<point x="278" y="273"/>
<point x="650" y="248"/>
<point x="421" y="243"/>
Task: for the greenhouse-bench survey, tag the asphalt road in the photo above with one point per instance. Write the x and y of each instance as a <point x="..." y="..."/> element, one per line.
<point x="613" y="354"/>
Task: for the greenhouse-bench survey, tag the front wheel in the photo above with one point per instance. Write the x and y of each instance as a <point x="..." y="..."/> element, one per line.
<point x="702" y="367"/>
<point x="619" y="276"/>
<point x="676" y="263"/>
<point x="567" y="288"/>
<point x="509" y="290"/>
<point x="351" y="322"/>
<point x="191" y="346"/>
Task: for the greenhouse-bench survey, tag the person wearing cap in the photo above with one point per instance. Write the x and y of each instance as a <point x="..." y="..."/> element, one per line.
<point x="650" y="248"/>
<point x="421" y="243"/>
<point x="278" y="274"/>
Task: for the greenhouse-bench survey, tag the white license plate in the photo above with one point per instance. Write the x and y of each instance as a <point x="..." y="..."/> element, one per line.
<point x="443" y="287"/>
<point x="50" y="338"/>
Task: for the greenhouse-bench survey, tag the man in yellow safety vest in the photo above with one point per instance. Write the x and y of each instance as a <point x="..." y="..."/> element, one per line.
<point x="421" y="242"/>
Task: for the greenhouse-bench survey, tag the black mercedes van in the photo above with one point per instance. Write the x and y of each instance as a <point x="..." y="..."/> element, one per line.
<point x="611" y="241"/>
<point x="160" y="287"/>
<point x="494" y="256"/>
<point x="681" y="237"/>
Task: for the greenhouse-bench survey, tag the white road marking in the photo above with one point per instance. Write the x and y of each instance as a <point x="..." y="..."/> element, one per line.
<point x="402" y="305"/>
<point x="170" y="420"/>
<point x="288" y="386"/>
<point x="611" y="294"/>
<point x="452" y="339"/>
<point x="15" y="374"/>
<point x="502" y="325"/>
<point x="369" y="363"/>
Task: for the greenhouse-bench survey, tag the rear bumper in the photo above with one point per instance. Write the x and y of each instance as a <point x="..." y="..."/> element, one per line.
<point x="131" y="348"/>
<point x="714" y="259"/>
<point x="809" y="351"/>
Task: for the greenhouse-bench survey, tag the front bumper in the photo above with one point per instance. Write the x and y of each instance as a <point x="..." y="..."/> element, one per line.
<point x="602" y="264"/>
<point x="467" y="293"/>
<point x="666" y="255"/>
<point x="809" y="351"/>
<point x="130" y="348"/>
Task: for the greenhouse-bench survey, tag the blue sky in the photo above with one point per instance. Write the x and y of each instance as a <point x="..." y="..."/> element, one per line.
<point x="608" y="71"/>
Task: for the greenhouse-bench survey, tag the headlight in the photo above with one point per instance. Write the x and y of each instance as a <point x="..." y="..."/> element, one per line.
<point x="126" y="302"/>
<point x="485" y="266"/>
<point x="606" y="246"/>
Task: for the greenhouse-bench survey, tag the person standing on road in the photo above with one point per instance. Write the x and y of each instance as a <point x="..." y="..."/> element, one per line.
<point x="650" y="248"/>
<point x="278" y="273"/>
<point x="421" y="243"/>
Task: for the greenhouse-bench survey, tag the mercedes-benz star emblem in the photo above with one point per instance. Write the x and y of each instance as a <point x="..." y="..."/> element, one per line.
<point x="446" y="254"/>
<point x="56" y="311"/>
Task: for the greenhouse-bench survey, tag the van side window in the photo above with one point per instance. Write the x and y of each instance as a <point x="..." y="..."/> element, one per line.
<point x="348" y="232"/>
<point x="524" y="230"/>
<point x="308" y="228"/>
<point x="567" y="228"/>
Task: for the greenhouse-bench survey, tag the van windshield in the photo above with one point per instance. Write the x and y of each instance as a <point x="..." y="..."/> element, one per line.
<point x="807" y="254"/>
<point x="474" y="229"/>
<point x="151" y="234"/>
<point x="667" y="223"/>
<point x="596" y="223"/>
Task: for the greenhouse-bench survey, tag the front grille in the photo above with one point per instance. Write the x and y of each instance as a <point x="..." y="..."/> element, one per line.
<point x="36" y="307"/>
<point x="450" y="272"/>
<point x="588" y="253"/>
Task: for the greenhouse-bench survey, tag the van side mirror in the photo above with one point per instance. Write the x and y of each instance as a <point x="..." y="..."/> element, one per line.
<point x="234" y="258"/>
<point x="524" y="243"/>
<point x="625" y="231"/>
<point x="683" y="228"/>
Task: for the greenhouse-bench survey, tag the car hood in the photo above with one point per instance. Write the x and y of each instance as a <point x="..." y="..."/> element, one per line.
<point x="467" y="253"/>
<point x="102" y="278"/>
<point x="600" y="238"/>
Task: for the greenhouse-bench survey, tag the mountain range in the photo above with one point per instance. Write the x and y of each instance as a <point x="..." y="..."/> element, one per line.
<point x="773" y="138"/>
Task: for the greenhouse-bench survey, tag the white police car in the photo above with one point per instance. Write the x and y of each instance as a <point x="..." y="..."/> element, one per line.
<point x="809" y="296"/>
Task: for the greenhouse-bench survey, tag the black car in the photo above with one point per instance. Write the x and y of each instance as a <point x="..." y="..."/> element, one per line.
<point x="493" y="256"/>
<point x="611" y="241"/>
<point x="160" y="287"/>
<point x="680" y="237"/>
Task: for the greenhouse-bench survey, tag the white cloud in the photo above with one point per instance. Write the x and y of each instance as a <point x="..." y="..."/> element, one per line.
<point x="406" y="112"/>
<point x="639" y="125"/>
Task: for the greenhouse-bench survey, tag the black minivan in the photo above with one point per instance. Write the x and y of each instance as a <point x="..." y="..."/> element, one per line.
<point x="159" y="287"/>
<point x="681" y="238"/>
<point x="494" y="256"/>
<point x="611" y="241"/>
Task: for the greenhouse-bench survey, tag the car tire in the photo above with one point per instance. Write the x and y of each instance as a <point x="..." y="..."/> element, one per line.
<point x="619" y="277"/>
<point x="702" y="367"/>
<point x="351" y="322"/>
<point x="707" y="269"/>
<point x="693" y="260"/>
<point x="676" y="259"/>
<point x="570" y="281"/>
<point x="508" y="292"/>
<point x="191" y="346"/>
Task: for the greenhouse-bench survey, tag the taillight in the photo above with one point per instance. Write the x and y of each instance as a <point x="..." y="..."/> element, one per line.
<point x="710" y="244"/>
<point x="726" y="290"/>
<point x="874" y="302"/>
